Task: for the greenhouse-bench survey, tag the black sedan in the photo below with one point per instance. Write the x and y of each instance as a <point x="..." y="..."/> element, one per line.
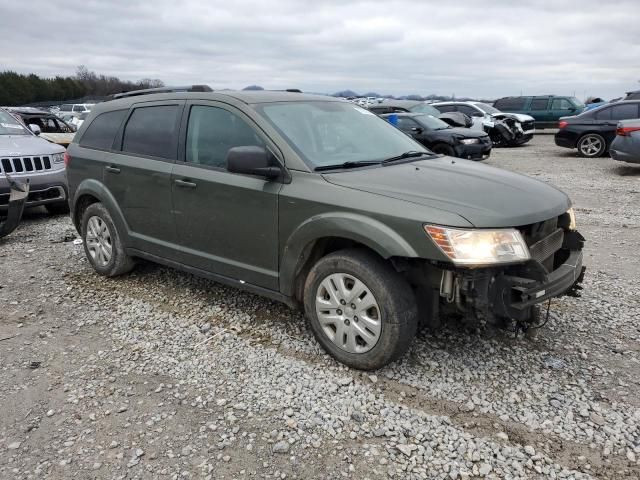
<point x="592" y="131"/>
<point x="439" y="137"/>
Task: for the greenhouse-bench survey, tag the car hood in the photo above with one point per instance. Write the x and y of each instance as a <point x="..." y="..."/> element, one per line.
<point x="19" y="145"/>
<point x="485" y="196"/>
<point x="521" y="117"/>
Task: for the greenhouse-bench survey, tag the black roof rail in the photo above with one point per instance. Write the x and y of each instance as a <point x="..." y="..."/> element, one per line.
<point x="148" y="91"/>
<point x="293" y="90"/>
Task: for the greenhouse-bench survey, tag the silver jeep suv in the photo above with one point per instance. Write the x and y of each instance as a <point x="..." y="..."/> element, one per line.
<point x="25" y="157"/>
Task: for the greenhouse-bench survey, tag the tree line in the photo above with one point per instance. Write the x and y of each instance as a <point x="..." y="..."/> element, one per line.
<point x="20" y="89"/>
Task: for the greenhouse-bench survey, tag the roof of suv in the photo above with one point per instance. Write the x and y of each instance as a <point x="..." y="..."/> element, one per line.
<point x="248" y="97"/>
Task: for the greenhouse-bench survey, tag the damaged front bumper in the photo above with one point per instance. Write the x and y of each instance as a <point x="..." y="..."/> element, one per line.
<point x="512" y="296"/>
<point x="510" y="293"/>
<point x="17" y="199"/>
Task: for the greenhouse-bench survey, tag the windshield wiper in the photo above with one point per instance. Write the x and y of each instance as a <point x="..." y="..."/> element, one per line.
<point x="406" y="155"/>
<point x="361" y="163"/>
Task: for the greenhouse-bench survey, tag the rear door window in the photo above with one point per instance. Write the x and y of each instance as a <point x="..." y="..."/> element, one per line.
<point x="539" y="103"/>
<point x="624" y="112"/>
<point x="511" y="103"/>
<point x="151" y="131"/>
<point x="102" y="131"/>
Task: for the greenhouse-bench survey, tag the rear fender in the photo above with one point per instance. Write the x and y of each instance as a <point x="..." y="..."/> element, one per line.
<point x="372" y="233"/>
<point x="97" y="190"/>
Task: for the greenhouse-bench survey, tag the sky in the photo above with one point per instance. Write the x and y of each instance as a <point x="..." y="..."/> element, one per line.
<point x="480" y="49"/>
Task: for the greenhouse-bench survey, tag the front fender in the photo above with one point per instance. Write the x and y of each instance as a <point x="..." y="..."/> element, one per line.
<point x="365" y="230"/>
<point x="97" y="190"/>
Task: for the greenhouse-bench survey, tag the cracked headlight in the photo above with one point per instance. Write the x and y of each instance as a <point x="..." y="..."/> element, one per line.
<point x="468" y="141"/>
<point x="479" y="247"/>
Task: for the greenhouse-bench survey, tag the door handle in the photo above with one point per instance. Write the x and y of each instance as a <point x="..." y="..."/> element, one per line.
<point x="112" y="169"/>
<point x="185" y="184"/>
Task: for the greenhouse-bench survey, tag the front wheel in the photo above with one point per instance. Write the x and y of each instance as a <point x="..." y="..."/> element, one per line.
<point x="591" y="145"/>
<point x="360" y="309"/>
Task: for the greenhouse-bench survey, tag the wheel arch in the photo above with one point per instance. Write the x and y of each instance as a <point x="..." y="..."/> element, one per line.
<point x="91" y="191"/>
<point x="327" y="233"/>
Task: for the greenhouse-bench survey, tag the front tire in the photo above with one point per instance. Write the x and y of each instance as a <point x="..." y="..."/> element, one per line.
<point x="102" y="243"/>
<point x="362" y="312"/>
<point x="591" y="145"/>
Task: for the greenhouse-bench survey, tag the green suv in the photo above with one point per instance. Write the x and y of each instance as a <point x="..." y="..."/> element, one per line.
<point x="318" y="203"/>
<point x="545" y="109"/>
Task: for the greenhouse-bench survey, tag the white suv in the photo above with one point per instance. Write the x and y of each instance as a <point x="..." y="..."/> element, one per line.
<point x="75" y="108"/>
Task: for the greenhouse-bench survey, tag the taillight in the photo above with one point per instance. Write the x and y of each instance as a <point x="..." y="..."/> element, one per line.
<point x="562" y="124"/>
<point x="67" y="159"/>
<point x="626" y="131"/>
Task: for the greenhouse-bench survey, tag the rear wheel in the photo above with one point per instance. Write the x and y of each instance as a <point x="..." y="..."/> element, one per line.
<point x="444" y="149"/>
<point x="102" y="243"/>
<point x="360" y="309"/>
<point x="591" y="145"/>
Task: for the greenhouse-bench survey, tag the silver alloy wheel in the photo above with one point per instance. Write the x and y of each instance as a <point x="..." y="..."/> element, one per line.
<point x="348" y="313"/>
<point x="98" y="240"/>
<point x="590" y="145"/>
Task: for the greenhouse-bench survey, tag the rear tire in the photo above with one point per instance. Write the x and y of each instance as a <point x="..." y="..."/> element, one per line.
<point x="443" y="149"/>
<point x="362" y="312"/>
<point x="591" y="145"/>
<point x="61" y="208"/>
<point x="102" y="243"/>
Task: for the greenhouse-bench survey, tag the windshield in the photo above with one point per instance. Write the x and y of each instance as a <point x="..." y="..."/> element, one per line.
<point x="431" y="122"/>
<point x="425" y="108"/>
<point x="577" y="102"/>
<point x="486" y="108"/>
<point x="11" y="126"/>
<point x="332" y="133"/>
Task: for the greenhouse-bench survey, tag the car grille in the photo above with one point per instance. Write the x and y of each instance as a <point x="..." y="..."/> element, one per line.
<point x="543" y="249"/>
<point x="25" y="164"/>
<point x="544" y="239"/>
<point x="528" y="125"/>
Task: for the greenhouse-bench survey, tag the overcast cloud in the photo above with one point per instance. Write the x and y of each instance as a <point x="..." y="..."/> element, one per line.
<point x="470" y="48"/>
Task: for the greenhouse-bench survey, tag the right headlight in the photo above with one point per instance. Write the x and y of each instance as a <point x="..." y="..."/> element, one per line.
<point x="479" y="247"/>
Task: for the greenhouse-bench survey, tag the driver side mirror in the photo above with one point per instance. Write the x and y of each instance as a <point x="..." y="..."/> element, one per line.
<point x="252" y="161"/>
<point x="35" y="128"/>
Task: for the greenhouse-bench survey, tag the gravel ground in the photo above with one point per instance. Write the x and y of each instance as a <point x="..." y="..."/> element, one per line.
<point x="160" y="374"/>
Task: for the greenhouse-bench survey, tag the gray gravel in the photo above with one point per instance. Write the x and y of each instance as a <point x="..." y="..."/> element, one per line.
<point x="159" y="374"/>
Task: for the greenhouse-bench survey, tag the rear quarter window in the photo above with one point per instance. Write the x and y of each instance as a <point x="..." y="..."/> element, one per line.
<point x="624" y="112"/>
<point x="512" y="103"/>
<point x="102" y="131"/>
